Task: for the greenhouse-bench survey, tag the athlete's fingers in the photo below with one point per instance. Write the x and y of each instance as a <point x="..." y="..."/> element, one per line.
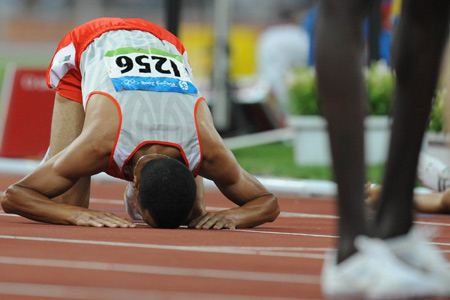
<point x="213" y="221"/>
<point x="217" y="221"/>
<point x="224" y="223"/>
<point x="210" y="223"/>
<point x="101" y="219"/>
<point x="94" y="223"/>
<point x="119" y="221"/>
<point x="200" y="221"/>
<point x="105" y="222"/>
<point x="122" y="223"/>
<point x="220" y="224"/>
<point x="231" y="226"/>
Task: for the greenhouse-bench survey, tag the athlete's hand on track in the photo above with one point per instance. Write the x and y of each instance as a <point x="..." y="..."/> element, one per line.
<point x="372" y="194"/>
<point x="101" y="219"/>
<point x="213" y="221"/>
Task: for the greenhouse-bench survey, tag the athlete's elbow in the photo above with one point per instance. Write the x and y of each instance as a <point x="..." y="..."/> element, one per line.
<point x="6" y="201"/>
<point x="274" y="209"/>
<point x="9" y="200"/>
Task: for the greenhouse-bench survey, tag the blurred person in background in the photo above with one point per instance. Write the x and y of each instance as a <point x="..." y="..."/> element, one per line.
<point x="434" y="175"/>
<point x="280" y="48"/>
<point x="390" y="258"/>
<point x="390" y="10"/>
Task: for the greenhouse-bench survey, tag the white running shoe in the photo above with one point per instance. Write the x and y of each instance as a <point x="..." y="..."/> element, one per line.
<point x="433" y="173"/>
<point x="415" y="249"/>
<point x="374" y="272"/>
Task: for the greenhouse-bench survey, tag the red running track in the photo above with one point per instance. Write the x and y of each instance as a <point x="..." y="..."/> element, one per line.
<point x="280" y="260"/>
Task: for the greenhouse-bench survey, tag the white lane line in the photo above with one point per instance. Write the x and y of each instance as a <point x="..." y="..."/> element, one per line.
<point x="162" y="270"/>
<point x="7" y="215"/>
<point x="213" y="208"/>
<point x="304" y="215"/>
<point x="264" y="251"/>
<point x="288" y="233"/>
<point x="282" y="214"/>
<point x="286" y="214"/>
<point x="312" y="249"/>
<point x="432" y="223"/>
<point x="207" y="249"/>
<point x="85" y="292"/>
<point x="321" y="236"/>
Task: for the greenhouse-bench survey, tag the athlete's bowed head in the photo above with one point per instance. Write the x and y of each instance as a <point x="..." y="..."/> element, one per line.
<point x="166" y="192"/>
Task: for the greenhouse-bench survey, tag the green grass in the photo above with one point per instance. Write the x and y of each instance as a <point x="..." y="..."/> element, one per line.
<point x="278" y="160"/>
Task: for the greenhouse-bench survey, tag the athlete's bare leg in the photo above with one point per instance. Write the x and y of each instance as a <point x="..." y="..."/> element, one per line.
<point x="67" y="123"/>
<point x="419" y="43"/>
<point x="339" y="62"/>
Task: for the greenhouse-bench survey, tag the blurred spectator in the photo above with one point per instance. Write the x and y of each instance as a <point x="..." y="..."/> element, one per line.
<point x="390" y="10"/>
<point x="434" y="175"/>
<point x="281" y="47"/>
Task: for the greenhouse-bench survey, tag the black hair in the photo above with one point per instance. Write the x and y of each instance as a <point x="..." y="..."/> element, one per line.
<point x="167" y="190"/>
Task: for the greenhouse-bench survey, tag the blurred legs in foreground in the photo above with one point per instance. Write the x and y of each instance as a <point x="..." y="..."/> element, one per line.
<point x="374" y="260"/>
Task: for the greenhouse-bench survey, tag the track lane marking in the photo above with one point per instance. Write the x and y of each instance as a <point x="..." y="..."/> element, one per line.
<point x="208" y="249"/>
<point x="282" y="214"/>
<point x="86" y="292"/>
<point x="163" y="270"/>
<point x="214" y="208"/>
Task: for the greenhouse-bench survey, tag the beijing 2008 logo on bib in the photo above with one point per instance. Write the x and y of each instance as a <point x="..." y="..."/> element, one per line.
<point x="149" y="70"/>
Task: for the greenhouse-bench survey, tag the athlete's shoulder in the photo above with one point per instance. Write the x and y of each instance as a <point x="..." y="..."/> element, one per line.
<point x="98" y="26"/>
<point x="86" y="32"/>
<point x="108" y="24"/>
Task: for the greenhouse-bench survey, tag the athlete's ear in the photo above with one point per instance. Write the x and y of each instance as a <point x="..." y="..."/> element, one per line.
<point x="136" y="183"/>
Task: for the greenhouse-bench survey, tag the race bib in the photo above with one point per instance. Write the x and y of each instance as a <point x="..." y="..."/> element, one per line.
<point x="149" y="70"/>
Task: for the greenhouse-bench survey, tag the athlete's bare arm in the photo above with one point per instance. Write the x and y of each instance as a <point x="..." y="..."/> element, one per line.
<point x="445" y="201"/>
<point x="256" y="204"/>
<point x="67" y="123"/>
<point x="427" y="203"/>
<point x="433" y="203"/>
<point x="32" y="197"/>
